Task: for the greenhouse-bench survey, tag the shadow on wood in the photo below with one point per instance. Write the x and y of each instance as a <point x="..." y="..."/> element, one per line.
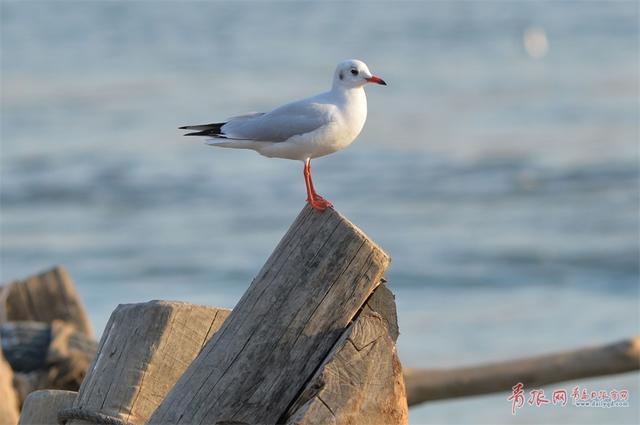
<point x="360" y="381"/>
<point x="46" y="355"/>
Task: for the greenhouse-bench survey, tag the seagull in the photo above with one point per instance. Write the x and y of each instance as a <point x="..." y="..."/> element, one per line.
<point x="302" y="130"/>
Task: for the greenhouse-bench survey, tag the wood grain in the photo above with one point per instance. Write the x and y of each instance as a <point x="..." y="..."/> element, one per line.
<point x="45" y="297"/>
<point x="41" y="407"/>
<point x="295" y="310"/>
<point x="144" y="349"/>
<point x="360" y="381"/>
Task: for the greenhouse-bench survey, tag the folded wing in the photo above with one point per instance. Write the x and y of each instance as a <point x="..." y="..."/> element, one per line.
<point x="276" y="126"/>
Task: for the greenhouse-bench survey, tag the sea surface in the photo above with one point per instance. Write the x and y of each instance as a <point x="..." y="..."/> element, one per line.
<point x="503" y="181"/>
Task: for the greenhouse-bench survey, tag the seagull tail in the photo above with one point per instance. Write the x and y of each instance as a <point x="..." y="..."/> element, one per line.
<point x="208" y="130"/>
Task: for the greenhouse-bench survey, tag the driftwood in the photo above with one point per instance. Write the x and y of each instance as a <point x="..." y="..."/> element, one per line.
<point x="44" y="298"/>
<point x="30" y="346"/>
<point x="433" y="384"/>
<point x="42" y="407"/>
<point x="25" y="344"/>
<point x="290" y="318"/>
<point x="46" y="356"/>
<point x="361" y="381"/>
<point x="144" y="349"/>
<point x="8" y="399"/>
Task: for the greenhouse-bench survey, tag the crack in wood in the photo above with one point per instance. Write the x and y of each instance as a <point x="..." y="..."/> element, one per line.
<point x="326" y="405"/>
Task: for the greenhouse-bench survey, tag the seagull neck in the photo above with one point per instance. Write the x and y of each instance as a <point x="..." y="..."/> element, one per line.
<point x="347" y="92"/>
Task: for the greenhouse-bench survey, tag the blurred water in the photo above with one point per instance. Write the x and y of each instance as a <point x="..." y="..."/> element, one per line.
<point x="505" y="188"/>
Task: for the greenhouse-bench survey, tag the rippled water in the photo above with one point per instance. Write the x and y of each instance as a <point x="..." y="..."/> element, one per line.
<point x="505" y="188"/>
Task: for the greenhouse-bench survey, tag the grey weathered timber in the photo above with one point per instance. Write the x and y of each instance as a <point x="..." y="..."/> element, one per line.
<point x="30" y="346"/>
<point x="25" y="344"/>
<point x="42" y="355"/>
<point x="360" y="381"/>
<point x="144" y="349"/>
<point x="436" y="384"/>
<point x="8" y="399"/>
<point x="309" y="290"/>
<point x="45" y="297"/>
<point x="42" y="407"/>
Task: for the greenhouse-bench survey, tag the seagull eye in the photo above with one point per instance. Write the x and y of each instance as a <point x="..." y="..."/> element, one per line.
<point x="354" y="72"/>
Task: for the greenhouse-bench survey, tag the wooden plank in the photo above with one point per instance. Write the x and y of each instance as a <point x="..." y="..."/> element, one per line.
<point x="45" y="297"/>
<point x="144" y="349"/>
<point x="436" y="384"/>
<point x="311" y="287"/>
<point x="42" y="407"/>
<point x="361" y="379"/>
<point x="8" y="399"/>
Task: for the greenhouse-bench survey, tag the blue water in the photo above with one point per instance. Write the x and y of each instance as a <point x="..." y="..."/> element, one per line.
<point x="505" y="188"/>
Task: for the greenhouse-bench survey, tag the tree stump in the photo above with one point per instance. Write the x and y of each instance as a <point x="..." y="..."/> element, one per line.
<point x="290" y="318"/>
<point x="44" y="298"/>
<point x="144" y="349"/>
<point x="360" y="381"/>
<point x="8" y="399"/>
<point x="42" y="407"/>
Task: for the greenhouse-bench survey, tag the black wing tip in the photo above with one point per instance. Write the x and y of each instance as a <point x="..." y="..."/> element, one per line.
<point x="210" y="130"/>
<point x="206" y="133"/>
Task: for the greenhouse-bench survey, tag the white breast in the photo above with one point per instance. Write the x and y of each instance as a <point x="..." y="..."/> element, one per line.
<point x="349" y="121"/>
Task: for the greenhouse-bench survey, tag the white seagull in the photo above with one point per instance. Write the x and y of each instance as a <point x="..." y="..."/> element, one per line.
<point x="302" y="130"/>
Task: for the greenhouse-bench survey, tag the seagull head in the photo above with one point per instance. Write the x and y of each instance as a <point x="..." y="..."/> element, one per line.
<point x="354" y="73"/>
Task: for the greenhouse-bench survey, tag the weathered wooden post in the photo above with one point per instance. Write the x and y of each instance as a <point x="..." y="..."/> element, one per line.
<point x="42" y="407"/>
<point x="46" y="356"/>
<point x="311" y="288"/>
<point x="48" y="338"/>
<point x="144" y="349"/>
<point x="46" y="297"/>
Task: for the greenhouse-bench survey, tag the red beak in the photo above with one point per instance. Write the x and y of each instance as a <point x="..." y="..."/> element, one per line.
<point x="377" y="80"/>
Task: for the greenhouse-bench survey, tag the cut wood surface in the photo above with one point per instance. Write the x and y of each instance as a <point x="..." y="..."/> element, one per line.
<point x="42" y="407"/>
<point x="435" y="384"/>
<point x="361" y="379"/>
<point x="44" y="298"/>
<point x="8" y="399"/>
<point x="295" y="310"/>
<point x="144" y="349"/>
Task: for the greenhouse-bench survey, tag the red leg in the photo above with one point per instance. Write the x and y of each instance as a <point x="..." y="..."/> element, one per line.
<point x="317" y="202"/>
